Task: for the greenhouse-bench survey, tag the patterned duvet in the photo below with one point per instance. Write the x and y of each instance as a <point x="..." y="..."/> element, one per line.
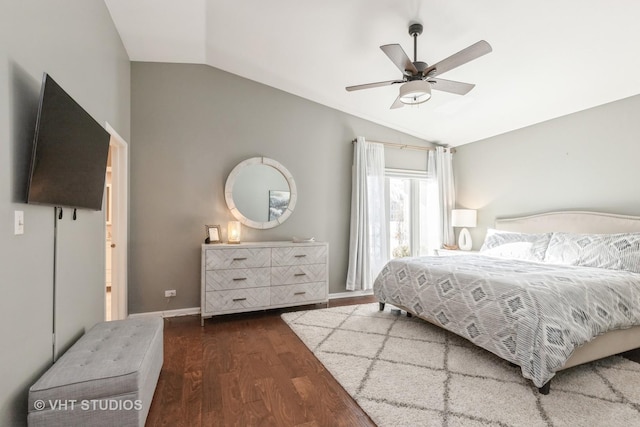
<point x="529" y="313"/>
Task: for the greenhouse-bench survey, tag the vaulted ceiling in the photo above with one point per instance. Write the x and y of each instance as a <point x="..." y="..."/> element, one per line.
<point x="549" y="59"/>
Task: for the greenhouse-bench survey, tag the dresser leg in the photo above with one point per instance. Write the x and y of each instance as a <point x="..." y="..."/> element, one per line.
<point x="201" y="321"/>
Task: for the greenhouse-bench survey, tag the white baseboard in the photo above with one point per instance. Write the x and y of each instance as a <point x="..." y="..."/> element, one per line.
<point x="196" y="310"/>
<point x="351" y="294"/>
<point x="169" y="313"/>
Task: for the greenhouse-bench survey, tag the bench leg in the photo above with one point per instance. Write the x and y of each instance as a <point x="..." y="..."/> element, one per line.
<point x="381" y="306"/>
<point x="545" y="388"/>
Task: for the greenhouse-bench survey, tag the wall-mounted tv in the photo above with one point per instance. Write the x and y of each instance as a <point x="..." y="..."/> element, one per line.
<point x="70" y="149"/>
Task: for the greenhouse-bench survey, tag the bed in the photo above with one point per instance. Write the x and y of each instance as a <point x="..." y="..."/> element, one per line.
<point x="535" y="311"/>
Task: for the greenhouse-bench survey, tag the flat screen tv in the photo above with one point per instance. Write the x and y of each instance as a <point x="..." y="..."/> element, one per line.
<point x="70" y="149"/>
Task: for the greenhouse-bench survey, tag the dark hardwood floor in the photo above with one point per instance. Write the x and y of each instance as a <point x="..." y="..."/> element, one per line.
<point x="250" y="370"/>
<point x="247" y="370"/>
<point x="633" y="355"/>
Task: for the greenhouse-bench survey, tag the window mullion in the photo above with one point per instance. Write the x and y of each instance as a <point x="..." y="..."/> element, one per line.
<point x="415" y="218"/>
<point x="387" y="208"/>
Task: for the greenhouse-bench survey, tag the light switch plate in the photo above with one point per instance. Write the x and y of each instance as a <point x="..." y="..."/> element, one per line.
<point x="18" y="227"/>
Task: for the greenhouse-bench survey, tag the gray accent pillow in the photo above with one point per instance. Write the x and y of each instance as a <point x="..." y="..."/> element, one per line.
<point x="612" y="251"/>
<point x="507" y="244"/>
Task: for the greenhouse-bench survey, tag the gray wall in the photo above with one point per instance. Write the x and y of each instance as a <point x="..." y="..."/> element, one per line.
<point x="191" y="125"/>
<point x="587" y="160"/>
<point x="75" y="42"/>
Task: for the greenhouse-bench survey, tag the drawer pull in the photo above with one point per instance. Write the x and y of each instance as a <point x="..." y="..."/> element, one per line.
<point x="240" y="259"/>
<point x="300" y="274"/>
<point x="300" y="293"/>
<point x="239" y="299"/>
<point x="238" y="279"/>
<point x="300" y="256"/>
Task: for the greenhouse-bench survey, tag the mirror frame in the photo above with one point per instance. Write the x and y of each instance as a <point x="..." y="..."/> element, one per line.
<point x="231" y="179"/>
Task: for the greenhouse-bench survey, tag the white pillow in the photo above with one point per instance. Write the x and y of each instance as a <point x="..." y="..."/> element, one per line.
<point x="507" y="244"/>
<point x="619" y="251"/>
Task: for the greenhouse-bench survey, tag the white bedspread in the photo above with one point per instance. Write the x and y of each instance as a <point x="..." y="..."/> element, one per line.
<point x="532" y="314"/>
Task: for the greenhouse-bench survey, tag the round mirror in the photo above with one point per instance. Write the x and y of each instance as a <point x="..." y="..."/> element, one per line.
<point x="260" y="193"/>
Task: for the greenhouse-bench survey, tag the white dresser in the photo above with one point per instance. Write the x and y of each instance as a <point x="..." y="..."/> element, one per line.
<point x="262" y="275"/>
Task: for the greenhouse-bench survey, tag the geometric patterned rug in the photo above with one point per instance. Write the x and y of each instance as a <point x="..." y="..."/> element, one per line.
<point x="406" y="372"/>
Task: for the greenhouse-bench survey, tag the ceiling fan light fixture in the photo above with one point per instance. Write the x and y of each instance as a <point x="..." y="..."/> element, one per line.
<point x="415" y="92"/>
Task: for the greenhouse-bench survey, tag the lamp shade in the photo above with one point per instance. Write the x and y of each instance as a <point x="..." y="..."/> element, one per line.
<point x="463" y="218"/>
<point x="415" y="92"/>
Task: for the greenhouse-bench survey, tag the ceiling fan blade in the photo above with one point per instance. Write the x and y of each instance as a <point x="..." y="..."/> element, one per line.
<point x="398" y="56"/>
<point x="451" y="86"/>
<point x="468" y="54"/>
<point x="370" y="85"/>
<point x="397" y="103"/>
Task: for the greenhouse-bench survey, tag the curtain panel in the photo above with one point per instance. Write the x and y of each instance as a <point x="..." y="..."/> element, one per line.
<point x="368" y="235"/>
<point x="442" y="199"/>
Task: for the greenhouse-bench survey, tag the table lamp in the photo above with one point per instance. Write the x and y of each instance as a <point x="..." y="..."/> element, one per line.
<point x="233" y="232"/>
<point x="464" y="218"/>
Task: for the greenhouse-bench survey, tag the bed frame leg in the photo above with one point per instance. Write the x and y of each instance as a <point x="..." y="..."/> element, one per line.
<point x="381" y="306"/>
<point x="545" y="388"/>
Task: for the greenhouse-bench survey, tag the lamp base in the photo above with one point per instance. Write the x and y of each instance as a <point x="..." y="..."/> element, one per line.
<point x="464" y="240"/>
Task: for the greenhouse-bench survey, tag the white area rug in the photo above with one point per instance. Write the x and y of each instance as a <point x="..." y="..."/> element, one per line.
<point x="406" y="372"/>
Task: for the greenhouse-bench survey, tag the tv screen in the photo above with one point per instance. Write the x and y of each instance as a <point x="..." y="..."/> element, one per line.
<point x="70" y="150"/>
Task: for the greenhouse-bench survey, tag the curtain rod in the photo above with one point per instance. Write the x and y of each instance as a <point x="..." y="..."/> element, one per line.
<point x="407" y="146"/>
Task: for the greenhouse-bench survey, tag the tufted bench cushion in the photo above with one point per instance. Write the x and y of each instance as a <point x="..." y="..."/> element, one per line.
<point x="107" y="377"/>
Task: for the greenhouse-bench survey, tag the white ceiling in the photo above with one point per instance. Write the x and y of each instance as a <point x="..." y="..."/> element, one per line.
<point x="549" y="59"/>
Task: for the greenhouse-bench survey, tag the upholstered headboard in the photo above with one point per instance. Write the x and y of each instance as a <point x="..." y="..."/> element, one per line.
<point x="571" y="222"/>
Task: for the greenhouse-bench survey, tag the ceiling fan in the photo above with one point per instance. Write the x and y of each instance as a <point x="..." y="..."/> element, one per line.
<point x="418" y="78"/>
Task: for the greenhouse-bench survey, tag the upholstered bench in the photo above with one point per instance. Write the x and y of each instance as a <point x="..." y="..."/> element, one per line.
<point x="107" y="378"/>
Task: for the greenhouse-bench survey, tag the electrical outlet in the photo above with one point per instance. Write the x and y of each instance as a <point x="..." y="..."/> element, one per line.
<point x="170" y="293"/>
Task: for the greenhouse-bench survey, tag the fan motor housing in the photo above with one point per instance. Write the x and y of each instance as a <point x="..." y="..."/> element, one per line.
<point x="420" y="66"/>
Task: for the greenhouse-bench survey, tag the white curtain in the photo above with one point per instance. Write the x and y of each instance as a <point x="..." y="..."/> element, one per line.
<point x="368" y="237"/>
<point x="441" y="197"/>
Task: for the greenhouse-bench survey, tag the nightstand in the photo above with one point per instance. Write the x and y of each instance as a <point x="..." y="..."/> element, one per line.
<point x="457" y="252"/>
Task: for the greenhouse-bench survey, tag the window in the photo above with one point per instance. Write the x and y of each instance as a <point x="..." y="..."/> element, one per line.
<point x="407" y="212"/>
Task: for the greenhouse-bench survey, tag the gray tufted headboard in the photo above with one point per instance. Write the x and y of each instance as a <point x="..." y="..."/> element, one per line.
<point x="571" y="222"/>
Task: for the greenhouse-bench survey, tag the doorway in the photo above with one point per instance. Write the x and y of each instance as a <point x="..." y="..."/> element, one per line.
<point x="116" y="227"/>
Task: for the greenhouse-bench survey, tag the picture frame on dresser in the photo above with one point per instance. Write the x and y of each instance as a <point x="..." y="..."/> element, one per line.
<point x="213" y="234"/>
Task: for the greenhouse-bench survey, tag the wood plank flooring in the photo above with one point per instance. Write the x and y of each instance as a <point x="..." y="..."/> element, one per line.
<point x="250" y="370"/>
<point x="247" y="370"/>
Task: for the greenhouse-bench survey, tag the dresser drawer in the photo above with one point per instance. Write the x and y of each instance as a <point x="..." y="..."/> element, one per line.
<point x="292" y="274"/>
<point x="237" y="258"/>
<point x="236" y="300"/>
<point x="236" y="278"/>
<point x="298" y="255"/>
<point x="301" y="293"/>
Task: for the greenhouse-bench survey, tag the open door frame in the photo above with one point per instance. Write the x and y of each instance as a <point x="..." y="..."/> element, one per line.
<point x="120" y="223"/>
